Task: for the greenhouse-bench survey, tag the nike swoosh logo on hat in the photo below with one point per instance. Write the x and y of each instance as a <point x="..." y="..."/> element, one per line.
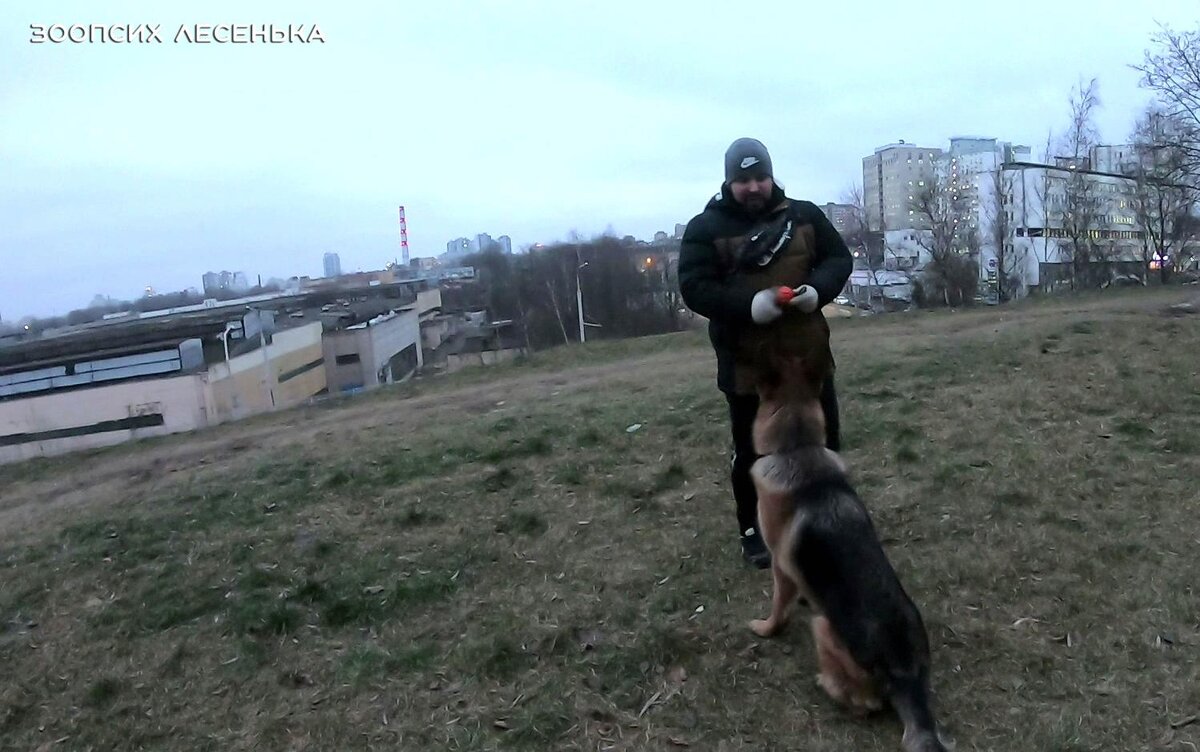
<point x="749" y="162"/>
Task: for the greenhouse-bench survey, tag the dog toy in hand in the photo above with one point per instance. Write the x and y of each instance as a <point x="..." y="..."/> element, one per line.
<point x="767" y="305"/>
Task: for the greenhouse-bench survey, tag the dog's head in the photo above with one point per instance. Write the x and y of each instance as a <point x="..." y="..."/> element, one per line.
<point x="789" y="393"/>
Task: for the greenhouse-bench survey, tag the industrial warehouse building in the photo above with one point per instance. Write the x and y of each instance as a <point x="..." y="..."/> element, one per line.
<point x="169" y="371"/>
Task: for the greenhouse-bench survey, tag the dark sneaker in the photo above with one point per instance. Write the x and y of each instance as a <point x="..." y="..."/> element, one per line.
<point x="754" y="550"/>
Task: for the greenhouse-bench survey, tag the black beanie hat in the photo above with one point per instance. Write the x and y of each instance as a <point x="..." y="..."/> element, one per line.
<point x="746" y="157"/>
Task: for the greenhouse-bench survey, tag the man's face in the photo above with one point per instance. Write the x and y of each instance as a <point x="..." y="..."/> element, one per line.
<point x="752" y="192"/>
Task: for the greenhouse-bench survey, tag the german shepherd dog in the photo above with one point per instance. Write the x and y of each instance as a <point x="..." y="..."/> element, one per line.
<point x="870" y="639"/>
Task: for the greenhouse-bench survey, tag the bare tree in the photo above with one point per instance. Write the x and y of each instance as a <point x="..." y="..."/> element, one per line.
<point x="1163" y="200"/>
<point x="952" y="243"/>
<point x="857" y="236"/>
<point x="1067" y="194"/>
<point x="856" y="231"/>
<point x="558" y="312"/>
<point x="1010" y="259"/>
<point x="1172" y="71"/>
<point x="869" y="247"/>
<point x="1081" y="196"/>
<point x="1046" y="200"/>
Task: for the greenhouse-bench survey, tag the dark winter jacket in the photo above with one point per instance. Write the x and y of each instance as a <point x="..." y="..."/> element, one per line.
<point x="719" y="273"/>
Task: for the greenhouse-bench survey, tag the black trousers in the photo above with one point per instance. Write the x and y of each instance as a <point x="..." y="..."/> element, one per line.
<point x="742" y="409"/>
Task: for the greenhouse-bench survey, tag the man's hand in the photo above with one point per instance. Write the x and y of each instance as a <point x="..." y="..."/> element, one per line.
<point x="804" y="297"/>
<point x="768" y="304"/>
<point x="764" y="307"/>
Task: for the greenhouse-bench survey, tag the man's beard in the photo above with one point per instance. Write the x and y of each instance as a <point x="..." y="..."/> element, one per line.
<point x="754" y="204"/>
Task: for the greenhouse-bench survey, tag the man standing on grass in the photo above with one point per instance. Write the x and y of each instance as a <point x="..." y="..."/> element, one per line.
<point x="749" y="239"/>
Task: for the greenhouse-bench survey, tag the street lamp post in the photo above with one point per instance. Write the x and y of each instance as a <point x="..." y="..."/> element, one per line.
<point x="579" y="301"/>
<point x="262" y="342"/>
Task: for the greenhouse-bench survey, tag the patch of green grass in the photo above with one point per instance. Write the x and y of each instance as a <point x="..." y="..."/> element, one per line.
<point x="368" y="662"/>
<point x="416" y="515"/>
<point x="1134" y="428"/>
<point x="672" y="476"/>
<point x="528" y="446"/>
<point x="622" y="669"/>
<point x="860" y="375"/>
<point x="676" y="419"/>
<point x="589" y="437"/>
<point x="933" y="368"/>
<point x="158" y="600"/>
<point x="1014" y="499"/>
<point x="504" y="658"/>
<point x="885" y="394"/>
<point x="126" y="542"/>
<point x="338" y="478"/>
<point x="624" y="488"/>
<point x="175" y="663"/>
<point x="521" y="522"/>
<point x="103" y="692"/>
<point x="906" y="454"/>
<point x="949" y="475"/>
<point x="1056" y="518"/>
<point x="253" y="653"/>
<point x="1183" y="441"/>
<point x="504" y="425"/>
<point x="261" y="613"/>
<point x="499" y="480"/>
<point x="540" y="724"/>
<point x="570" y="474"/>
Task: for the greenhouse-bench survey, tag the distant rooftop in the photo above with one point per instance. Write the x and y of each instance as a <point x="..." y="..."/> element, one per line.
<point x="171" y="328"/>
<point x="902" y="144"/>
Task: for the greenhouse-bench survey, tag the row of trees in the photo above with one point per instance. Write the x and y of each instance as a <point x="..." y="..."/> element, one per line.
<point x="1168" y="136"/>
<point x="1162" y="193"/>
<point x="626" y="291"/>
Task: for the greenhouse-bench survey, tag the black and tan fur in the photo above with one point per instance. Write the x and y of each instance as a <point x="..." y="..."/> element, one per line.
<point x="871" y="642"/>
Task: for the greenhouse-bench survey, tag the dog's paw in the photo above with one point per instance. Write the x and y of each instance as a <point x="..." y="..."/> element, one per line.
<point x="832" y="687"/>
<point x="764" y="627"/>
<point x="863" y="705"/>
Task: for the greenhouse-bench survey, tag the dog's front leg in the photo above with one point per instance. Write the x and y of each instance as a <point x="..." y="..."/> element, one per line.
<point x="784" y="596"/>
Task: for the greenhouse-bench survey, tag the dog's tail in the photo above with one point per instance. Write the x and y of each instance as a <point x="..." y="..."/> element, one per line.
<point x="909" y="696"/>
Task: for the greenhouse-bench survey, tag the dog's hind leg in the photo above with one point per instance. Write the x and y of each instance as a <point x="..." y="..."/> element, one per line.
<point x="784" y="595"/>
<point x="840" y="676"/>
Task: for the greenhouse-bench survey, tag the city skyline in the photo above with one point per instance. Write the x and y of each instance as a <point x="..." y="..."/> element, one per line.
<point x="136" y="165"/>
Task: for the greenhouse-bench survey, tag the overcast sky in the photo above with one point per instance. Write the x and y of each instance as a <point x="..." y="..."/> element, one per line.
<point x="126" y="165"/>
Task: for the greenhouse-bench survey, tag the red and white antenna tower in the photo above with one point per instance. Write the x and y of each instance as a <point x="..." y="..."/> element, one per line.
<point x="403" y="238"/>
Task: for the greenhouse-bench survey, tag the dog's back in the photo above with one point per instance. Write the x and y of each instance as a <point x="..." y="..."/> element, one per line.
<point x="836" y="551"/>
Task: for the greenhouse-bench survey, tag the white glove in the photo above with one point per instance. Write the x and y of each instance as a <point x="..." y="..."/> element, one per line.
<point x="805" y="298"/>
<point x="763" y="308"/>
